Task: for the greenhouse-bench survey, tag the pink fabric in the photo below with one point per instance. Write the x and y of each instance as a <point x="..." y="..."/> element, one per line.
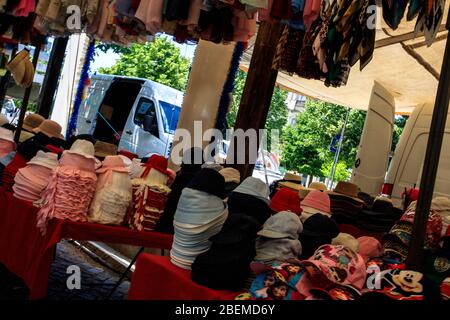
<point x="24" y="8"/>
<point x="110" y="164"/>
<point x="311" y="12"/>
<point x="6" y="147"/>
<point x="369" y="247"/>
<point x="30" y="182"/>
<point x="339" y="265"/>
<point x="244" y="28"/>
<point x="317" y="200"/>
<point x="67" y="196"/>
<point x="78" y="162"/>
<point x="150" y="13"/>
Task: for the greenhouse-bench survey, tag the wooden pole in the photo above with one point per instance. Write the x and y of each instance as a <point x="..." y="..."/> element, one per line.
<point x="416" y="254"/>
<point x="52" y="74"/>
<point x="26" y="97"/>
<point x="5" y="81"/>
<point x="258" y="91"/>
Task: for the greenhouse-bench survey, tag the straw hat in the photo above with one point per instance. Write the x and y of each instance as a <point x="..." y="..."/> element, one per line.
<point x="51" y="129"/>
<point x="3" y="120"/>
<point x="318" y="186"/>
<point x="6" y="135"/>
<point x="22" y="69"/>
<point x="25" y="135"/>
<point x="347" y="190"/>
<point x="103" y="149"/>
<point x="231" y="175"/>
<point x="32" y="121"/>
<point x="292" y="185"/>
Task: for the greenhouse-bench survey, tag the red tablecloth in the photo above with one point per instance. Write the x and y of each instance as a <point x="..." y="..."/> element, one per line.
<point x="156" y="278"/>
<point x="28" y="254"/>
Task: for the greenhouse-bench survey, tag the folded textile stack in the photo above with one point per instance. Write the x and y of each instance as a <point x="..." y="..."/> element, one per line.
<point x="32" y="180"/>
<point x="345" y="204"/>
<point x="226" y="265"/>
<point x="191" y="165"/>
<point x="113" y="195"/>
<point x="10" y="171"/>
<point x="381" y="216"/>
<point x="200" y="214"/>
<point x="278" y="240"/>
<point x="72" y="186"/>
<point x="149" y="194"/>
<point x="7" y="144"/>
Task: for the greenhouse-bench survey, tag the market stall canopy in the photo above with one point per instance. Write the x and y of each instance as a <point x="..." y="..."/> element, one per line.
<point x="402" y="64"/>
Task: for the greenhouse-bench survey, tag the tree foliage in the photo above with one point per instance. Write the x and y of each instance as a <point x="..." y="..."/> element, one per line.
<point x="278" y="112"/>
<point x="159" y="61"/>
<point x="306" y="145"/>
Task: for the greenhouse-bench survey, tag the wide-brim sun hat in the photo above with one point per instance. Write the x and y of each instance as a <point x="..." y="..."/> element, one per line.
<point x="45" y="159"/>
<point x="7" y="135"/>
<point x="103" y="149"/>
<point x="17" y="66"/>
<point x="347" y="190"/>
<point x="32" y="121"/>
<point x="83" y="148"/>
<point x="51" y="129"/>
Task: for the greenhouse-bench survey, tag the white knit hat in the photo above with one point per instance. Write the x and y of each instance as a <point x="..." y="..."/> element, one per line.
<point x="346" y="240"/>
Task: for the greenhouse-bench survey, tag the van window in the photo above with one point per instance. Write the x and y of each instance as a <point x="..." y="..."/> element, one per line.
<point x="145" y="107"/>
<point x="170" y="116"/>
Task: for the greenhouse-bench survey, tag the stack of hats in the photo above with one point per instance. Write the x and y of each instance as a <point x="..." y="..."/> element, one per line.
<point x="319" y="186"/>
<point x="191" y="165"/>
<point x="30" y="122"/>
<point x="7" y="144"/>
<point x="232" y="178"/>
<point x="9" y="172"/>
<point x="49" y="128"/>
<point x="225" y="266"/>
<point x="292" y="181"/>
<point x="149" y="195"/>
<point x="72" y="186"/>
<point x="380" y="217"/>
<point x="318" y="230"/>
<point x="279" y="238"/>
<point x="440" y="206"/>
<point x="254" y="187"/>
<point x="397" y="241"/>
<point x="315" y="202"/>
<point x="200" y="214"/>
<point x="113" y="195"/>
<point x="345" y="204"/>
<point x="286" y="199"/>
<point x="103" y="149"/>
<point x="31" y="181"/>
<point x="22" y="69"/>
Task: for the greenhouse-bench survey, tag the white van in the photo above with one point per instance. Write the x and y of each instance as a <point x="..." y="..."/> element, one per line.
<point x="138" y="115"/>
<point x="405" y="167"/>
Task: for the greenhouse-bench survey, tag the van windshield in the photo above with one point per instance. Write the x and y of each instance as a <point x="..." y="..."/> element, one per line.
<point x="170" y="116"/>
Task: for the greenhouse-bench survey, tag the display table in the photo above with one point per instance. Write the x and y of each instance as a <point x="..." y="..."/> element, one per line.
<point x="28" y="254"/>
<point x="156" y="278"/>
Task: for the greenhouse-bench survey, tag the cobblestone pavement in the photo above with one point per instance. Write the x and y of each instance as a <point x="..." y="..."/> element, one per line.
<point x="96" y="279"/>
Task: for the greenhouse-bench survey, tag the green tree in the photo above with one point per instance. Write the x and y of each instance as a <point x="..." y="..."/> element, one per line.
<point x="278" y="112"/>
<point x="159" y="61"/>
<point x="399" y="126"/>
<point x="342" y="172"/>
<point x="306" y="145"/>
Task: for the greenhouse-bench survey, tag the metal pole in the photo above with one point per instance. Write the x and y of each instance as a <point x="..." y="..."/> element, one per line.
<point x="52" y="76"/>
<point x="26" y="97"/>
<point x="338" y="153"/>
<point x="432" y="155"/>
<point x="5" y="81"/>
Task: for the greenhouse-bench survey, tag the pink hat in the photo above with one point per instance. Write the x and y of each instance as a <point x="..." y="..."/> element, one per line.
<point x="369" y="247"/>
<point x="337" y="264"/>
<point x="317" y="200"/>
<point x="114" y="163"/>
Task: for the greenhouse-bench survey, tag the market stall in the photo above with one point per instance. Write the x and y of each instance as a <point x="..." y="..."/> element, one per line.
<point x="213" y="236"/>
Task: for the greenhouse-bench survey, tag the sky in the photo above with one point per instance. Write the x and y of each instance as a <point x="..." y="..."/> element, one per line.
<point x="109" y="59"/>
